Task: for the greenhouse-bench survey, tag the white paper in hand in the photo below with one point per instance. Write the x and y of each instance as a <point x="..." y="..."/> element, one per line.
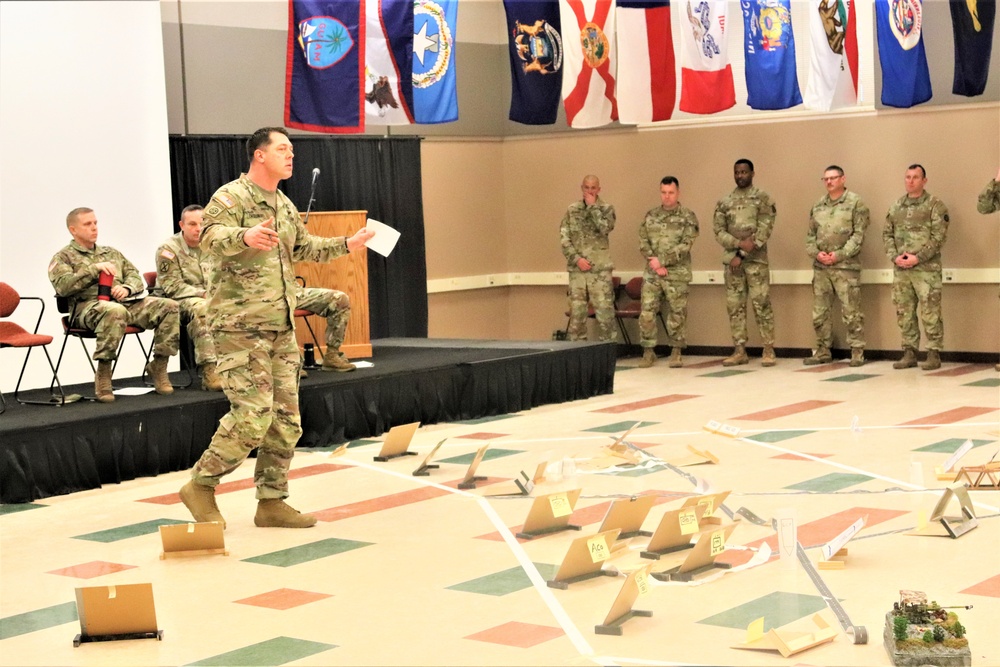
<point x="385" y="237"/>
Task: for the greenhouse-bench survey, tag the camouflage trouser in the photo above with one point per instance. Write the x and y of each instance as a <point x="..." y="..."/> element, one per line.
<point x="194" y="311"/>
<point x="754" y="278"/>
<point x="676" y="295"/>
<point x="260" y="375"/>
<point x="598" y="285"/>
<point x="333" y="305"/>
<point x="108" y="320"/>
<point x="846" y="286"/>
<point x="911" y="288"/>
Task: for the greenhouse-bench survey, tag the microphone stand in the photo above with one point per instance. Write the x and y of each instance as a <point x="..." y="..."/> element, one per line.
<point x="312" y="198"/>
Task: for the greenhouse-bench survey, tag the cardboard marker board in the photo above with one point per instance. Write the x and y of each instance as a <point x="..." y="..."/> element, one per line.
<point x="675" y="531"/>
<point x="627" y="515"/>
<point x="583" y="560"/>
<point x="397" y="441"/>
<point x="126" y="609"/>
<point x="542" y="518"/>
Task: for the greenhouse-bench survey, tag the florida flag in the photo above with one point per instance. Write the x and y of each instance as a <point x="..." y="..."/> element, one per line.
<point x="646" y="84"/>
<point x="588" y="86"/>
<point x="706" y="75"/>
<point x="833" y="59"/>
<point x="389" y="61"/>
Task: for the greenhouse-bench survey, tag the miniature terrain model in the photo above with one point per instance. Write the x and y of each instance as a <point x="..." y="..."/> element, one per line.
<point x="921" y="633"/>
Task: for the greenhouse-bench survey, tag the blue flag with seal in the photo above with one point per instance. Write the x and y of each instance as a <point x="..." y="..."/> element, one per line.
<point x="770" y="54"/>
<point x="536" y="58"/>
<point x="324" y="66"/>
<point x="906" y="81"/>
<point x="435" y="95"/>
<point x="972" y="24"/>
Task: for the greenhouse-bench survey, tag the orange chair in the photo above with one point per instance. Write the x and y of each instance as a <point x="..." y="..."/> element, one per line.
<point x="631" y="309"/>
<point x="14" y="335"/>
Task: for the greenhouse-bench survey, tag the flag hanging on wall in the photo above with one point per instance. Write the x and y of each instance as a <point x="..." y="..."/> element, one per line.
<point x="324" y="66"/>
<point x="706" y="75"/>
<point x="972" y="24"/>
<point x="906" y="80"/>
<point x="389" y="61"/>
<point x="435" y="95"/>
<point x="769" y="46"/>
<point x="646" y="83"/>
<point x="536" y="61"/>
<point x="833" y="59"/>
<point x="588" y="86"/>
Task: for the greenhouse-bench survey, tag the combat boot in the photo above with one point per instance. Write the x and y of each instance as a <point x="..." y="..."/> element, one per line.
<point x="303" y="373"/>
<point x="997" y="367"/>
<point x="675" y="360"/>
<point x="933" y="361"/>
<point x="857" y="357"/>
<point x="210" y="380"/>
<point x="333" y="360"/>
<point x="275" y="513"/>
<point x="909" y="359"/>
<point x="738" y="357"/>
<point x="767" y="358"/>
<point x="102" y="382"/>
<point x="820" y="356"/>
<point x="157" y="371"/>
<point x="648" y="358"/>
<point x="200" y="501"/>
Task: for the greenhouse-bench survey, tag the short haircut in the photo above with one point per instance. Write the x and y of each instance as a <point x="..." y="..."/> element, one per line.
<point x="835" y="168"/>
<point x="261" y="138"/>
<point x="923" y="172"/>
<point x="72" y="215"/>
<point x="191" y="207"/>
<point x="670" y="180"/>
<point x="745" y="161"/>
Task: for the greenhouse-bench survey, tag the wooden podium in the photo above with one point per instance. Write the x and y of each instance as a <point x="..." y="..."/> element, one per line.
<point x="348" y="274"/>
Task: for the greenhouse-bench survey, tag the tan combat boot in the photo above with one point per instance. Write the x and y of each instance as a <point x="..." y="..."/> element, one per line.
<point x="333" y="360"/>
<point x="157" y="371"/>
<point x="738" y="357"/>
<point x="820" y="356"/>
<point x="909" y="359"/>
<point x="933" y="361"/>
<point x="210" y="380"/>
<point x="675" y="360"/>
<point x="275" y="513"/>
<point x="303" y="373"/>
<point x="997" y="367"/>
<point x="767" y="358"/>
<point x="102" y="382"/>
<point x="648" y="357"/>
<point x="200" y="501"/>
<point x="857" y="357"/>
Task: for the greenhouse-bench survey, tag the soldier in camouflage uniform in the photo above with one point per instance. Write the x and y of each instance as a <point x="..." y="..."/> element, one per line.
<point x="743" y="223"/>
<point x="584" y="234"/>
<point x="989" y="202"/>
<point x="180" y="277"/>
<point x="915" y="230"/>
<point x="665" y="239"/>
<point x="251" y="231"/>
<point x="837" y="225"/>
<point x="335" y="306"/>
<point x="74" y="273"/>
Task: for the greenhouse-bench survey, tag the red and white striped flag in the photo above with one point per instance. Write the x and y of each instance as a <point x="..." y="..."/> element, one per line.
<point x="647" y="83"/>
<point x="588" y="87"/>
<point x="706" y="75"/>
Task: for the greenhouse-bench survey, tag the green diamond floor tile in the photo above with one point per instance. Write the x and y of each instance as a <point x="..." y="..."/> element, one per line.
<point x="772" y="437"/>
<point x="723" y="374"/>
<point x="491" y="453"/>
<point x="14" y="508"/>
<point x="988" y="382"/>
<point x="778" y="608"/>
<point x="835" y="481"/>
<point x="40" y="619"/>
<point x="307" y="552"/>
<point x="619" y="427"/>
<point x="950" y="445"/>
<point x="851" y="377"/>
<point x="125" y="532"/>
<point x="277" y="651"/>
<point x="505" y="581"/>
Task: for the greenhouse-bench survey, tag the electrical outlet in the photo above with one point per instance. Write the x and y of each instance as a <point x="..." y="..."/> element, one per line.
<point x="713" y="277"/>
<point x="948" y="275"/>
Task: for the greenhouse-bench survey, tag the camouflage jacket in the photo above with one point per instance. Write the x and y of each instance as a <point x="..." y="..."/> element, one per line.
<point x="254" y="290"/>
<point x="178" y="269"/>
<point x="989" y="198"/>
<point x="668" y="235"/>
<point x="838" y="226"/>
<point x="917" y="226"/>
<point x="73" y="274"/>
<point x="584" y="233"/>
<point x="742" y="214"/>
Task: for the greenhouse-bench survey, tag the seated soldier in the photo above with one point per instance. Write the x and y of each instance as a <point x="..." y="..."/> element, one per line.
<point x="75" y="272"/>
<point x="335" y="306"/>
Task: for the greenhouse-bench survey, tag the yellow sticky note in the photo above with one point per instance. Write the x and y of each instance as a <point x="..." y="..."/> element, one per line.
<point x="688" y="520"/>
<point x="755" y="630"/>
<point x="598" y="548"/>
<point x="718" y="543"/>
<point x="560" y="505"/>
<point x="642" y="581"/>
<point x="709" y="506"/>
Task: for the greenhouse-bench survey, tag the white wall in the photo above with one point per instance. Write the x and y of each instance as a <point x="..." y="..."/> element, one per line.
<point x="84" y="123"/>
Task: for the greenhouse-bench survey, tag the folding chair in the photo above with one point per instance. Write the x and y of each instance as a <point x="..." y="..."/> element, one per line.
<point x="14" y="335"/>
<point x="186" y="351"/>
<point x="304" y="314"/>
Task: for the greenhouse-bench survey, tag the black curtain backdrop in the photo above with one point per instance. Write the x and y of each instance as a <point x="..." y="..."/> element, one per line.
<point x="378" y="175"/>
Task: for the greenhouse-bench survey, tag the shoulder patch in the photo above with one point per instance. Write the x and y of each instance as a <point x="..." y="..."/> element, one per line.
<point x="213" y="210"/>
<point x="53" y="264"/>
<point x="227" y="201"/>
<point x="166" y="253"/>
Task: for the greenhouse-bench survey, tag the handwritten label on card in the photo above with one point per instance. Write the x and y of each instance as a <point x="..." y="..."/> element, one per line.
<point x="718" y="543"/>
<point x="688" y="520"/>
<point x="709" y="504"/>
<point x="560" y="505"/>
<point x="598" y="548"/>
<point x="642" y="581"/>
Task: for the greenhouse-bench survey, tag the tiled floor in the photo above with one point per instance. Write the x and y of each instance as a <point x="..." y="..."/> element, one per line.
<point x="411" y="570"/>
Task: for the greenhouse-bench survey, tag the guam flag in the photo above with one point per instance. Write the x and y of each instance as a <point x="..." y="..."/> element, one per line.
<point x="388" y="58"/>
<point x="770" y="54"/>
<point x="647" y="83"/>
<point x="435" y="96"/>
<point x="972" y="23"/>
<point x="536" y="60"/>
<point x="706" y="75"/>
<point x="324" y="66"/>
<point x="588" y="87"/>
<point x="906" y="80"/>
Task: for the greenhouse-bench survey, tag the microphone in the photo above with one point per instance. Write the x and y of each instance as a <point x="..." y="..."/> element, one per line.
<point x="312" y="194"/>
<point x="315" y="175"/>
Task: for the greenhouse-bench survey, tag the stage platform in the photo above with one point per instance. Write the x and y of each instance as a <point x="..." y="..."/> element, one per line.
<point x="47" y="451"/>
